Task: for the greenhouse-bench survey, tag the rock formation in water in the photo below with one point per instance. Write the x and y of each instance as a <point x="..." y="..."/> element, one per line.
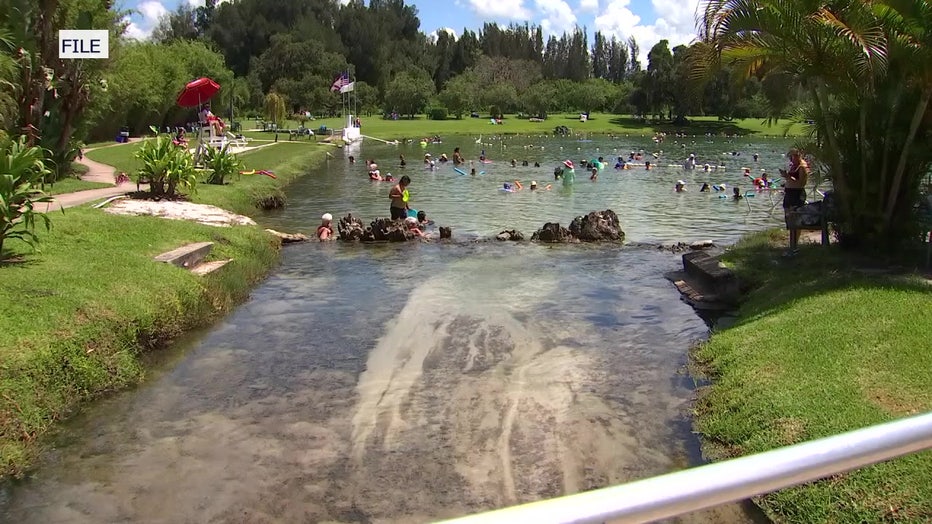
<point x="445" y="232"/>
<point x="351" y="229"/>
<point x="552" y="232"/>
<point x="510" y="234"/>
<point x="597" y="226"/>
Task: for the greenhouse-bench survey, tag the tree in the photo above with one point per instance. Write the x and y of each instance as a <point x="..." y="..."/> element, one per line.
<point x="866" y="67"/>
<point x="659" y="78"/>
<point x="459" y="95"/>
<point x="275" y="107"/>
<point x="499" y="99"/>
<point x="409" y="92"/>
<point x="539" y="99"/>
<point x="51" y="95"/>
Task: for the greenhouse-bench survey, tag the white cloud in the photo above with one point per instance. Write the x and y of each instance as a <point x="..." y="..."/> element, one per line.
<point x="145" y="19"/>
<point x="432" y="36"/>
<point x="675" y="22"/>
<point x="558" y="16"/>
<point x="508" y="9"/>
<point x="152" y="10"/>
<point x="589" y="5"/>
<point x="133" y="31"/>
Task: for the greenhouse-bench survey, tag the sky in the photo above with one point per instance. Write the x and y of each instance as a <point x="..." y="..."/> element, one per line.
<point x="648" y="21"/>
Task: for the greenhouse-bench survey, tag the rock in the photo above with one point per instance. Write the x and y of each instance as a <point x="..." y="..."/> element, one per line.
<point x="386" y="229"/>
<point x="597" y="226"/>
<point x="351" y="229"/>
<point x="702" y="244"/>
<point x="289" y="238"/>
<point x="446" y="232"/>
<point x="173" y="210"/>
<point x="553" y="233"/>
<point x="510" y="235"/>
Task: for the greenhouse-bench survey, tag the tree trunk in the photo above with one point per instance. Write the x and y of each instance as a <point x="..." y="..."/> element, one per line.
<point x="888" y="144"/>
<point x="918" y="115"/>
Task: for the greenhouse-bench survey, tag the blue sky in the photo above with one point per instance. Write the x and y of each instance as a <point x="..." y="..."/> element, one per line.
<point x="647" y="20"/>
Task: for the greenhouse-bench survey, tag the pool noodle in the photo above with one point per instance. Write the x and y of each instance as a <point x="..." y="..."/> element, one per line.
<point x="458" y="170"/>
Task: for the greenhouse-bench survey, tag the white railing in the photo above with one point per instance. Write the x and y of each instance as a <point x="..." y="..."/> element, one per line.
<point x="729" y="481"/>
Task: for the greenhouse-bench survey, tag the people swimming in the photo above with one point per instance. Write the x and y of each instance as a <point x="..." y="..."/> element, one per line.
<point x="536" y="164"/>
<point x="457" y="157"/>
<point x="443" y="158"/>
<point x="680" y="186"/>
<point x="325" y="229"/>
<point x="647" y="165"/>
<point x="482" y="156"/>
<point x="548" y="187"/>
<point x="705" y="188"/>
<point x="762" y="182"/>
<point x="736" y="194"/>
<point x="514" y="163"/>
<point x="512" y="187"/>
<point x="595" y="174"/>
<point x="401" y="160"/>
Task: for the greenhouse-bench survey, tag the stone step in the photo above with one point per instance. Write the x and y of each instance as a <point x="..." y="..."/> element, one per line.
<point x="712" y="276"/>
<point x="187" y="256"/>
<point x="209" y="267"/>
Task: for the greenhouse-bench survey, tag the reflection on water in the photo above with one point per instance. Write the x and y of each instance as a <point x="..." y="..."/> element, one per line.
<point x="644" y="200"/>
<point x="397" y="383"/>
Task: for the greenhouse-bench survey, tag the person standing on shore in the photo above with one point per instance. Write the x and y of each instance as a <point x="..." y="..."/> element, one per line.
<point x="794" y="194"/>
<point x="399" y="197"/>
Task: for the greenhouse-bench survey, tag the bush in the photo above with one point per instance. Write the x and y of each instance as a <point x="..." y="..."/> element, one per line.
<point x="21" y="173"/>
<point x="166" y="166"/>
<point x="222" y="164"/>
<point x="438" y="113"/>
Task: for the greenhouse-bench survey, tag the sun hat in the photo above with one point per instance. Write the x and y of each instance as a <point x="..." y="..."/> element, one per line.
<point x="568" y="163"/>
<point x="426" y="155"/>
<point x="533" y="182"/>
<point x="373" y="166"/>
<point x="680" y="183"/>
<point x="411" y="220"/>
<point x="327" y="217"/>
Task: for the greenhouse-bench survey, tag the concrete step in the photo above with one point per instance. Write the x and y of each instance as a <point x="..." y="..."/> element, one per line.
<point x="187" y="256"/>
<point x="209" y="267"/>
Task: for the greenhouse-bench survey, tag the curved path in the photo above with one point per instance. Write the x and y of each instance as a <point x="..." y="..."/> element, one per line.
<point x="96" y="172"/>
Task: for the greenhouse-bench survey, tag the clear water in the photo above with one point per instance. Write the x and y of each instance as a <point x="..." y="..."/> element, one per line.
<point x="405" y="383"/>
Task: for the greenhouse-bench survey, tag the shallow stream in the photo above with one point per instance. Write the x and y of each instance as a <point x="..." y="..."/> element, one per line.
<point x="404" y="383"/>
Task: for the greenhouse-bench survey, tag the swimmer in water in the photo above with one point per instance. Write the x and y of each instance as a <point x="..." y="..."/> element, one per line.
<point x="736" y="194"/>
<point x="680" y="186"/>
<point x="325" y="229"/>
<point x="705" y="188"/>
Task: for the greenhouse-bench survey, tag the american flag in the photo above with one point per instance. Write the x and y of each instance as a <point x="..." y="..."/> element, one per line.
<point x="341" y="81"/>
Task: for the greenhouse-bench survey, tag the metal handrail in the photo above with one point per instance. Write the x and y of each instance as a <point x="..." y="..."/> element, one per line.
<point x="729" y="481"/>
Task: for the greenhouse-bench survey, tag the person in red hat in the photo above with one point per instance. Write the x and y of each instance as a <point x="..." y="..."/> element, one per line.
<point x="569" y="174"/>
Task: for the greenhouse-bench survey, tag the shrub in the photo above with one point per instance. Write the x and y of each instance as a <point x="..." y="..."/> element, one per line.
<point x="166" y="166"/>
<point x="438" y="113"/>
<point x="21" y="173"/>
<point x="222" y="164"/>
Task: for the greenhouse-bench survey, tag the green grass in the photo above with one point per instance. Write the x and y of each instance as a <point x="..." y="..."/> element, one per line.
<point x="79" y="313"/>
<point x="119" y="156"/>
<point x="822" y="348"/>
<point x="599" y="123"/>
<point x="70" y="185"/>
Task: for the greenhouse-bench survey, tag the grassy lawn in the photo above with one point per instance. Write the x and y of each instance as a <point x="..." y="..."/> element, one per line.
<point x="78" y="313"/>
<point x="119" y="156"/>
<point x="600" y="123"/>
<point x="70" y="185"/>
<point x="241" y="194"/>
<point x="821" y="348"/>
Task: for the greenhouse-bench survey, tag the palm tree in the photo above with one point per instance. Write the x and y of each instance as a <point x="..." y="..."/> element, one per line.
<point x="858" y="62"/>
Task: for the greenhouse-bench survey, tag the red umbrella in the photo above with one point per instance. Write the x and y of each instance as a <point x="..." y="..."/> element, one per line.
<point x="197" y="92"/>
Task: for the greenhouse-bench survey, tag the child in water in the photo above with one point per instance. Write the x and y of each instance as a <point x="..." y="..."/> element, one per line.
<point x="325" y="229"/>
<point x="736" y="194"/>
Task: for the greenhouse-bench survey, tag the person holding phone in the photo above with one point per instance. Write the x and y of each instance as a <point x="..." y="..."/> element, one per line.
<point x="794" y="195"/>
